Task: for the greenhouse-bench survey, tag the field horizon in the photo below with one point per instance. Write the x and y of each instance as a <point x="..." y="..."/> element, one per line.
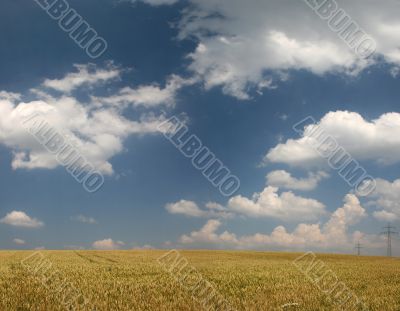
<point x="199" y="250"/>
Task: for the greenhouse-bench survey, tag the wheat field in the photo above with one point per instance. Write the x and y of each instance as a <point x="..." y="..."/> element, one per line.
<point x="136" y="280"/>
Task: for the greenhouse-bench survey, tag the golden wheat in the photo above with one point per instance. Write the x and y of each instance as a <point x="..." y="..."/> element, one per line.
<point x="134" y="280"/>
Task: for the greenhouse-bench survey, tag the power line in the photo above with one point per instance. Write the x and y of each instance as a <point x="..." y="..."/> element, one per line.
<point x="389" y="233"/>
<point x="358" y="247"/>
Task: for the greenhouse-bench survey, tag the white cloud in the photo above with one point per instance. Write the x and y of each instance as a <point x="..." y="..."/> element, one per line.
<point x="8" y="96"/>
<point x="21" y="219"/>
<point x="332" y="235"/>
<point x="98" y="133"/>
<point x="184" y="207"/>
<point x="285" y="206"/>
<point x="208" y="234"/>
<point x="283" y="179"/>
<point x="85" y="219"/>
<point x="385" y="216"/>
<point x="269" y="203"/>
<point x="146" y="95"/>
<point x="19" y="241"/>
<point x="191" y="209"/>
<point x="350" y="214"/>
<point x="86" y="75"/>
<point x="107" y="244"/>
<point x="377" y="139"/>
<point x="243" y="43"/>
<point x="386" y="198"/>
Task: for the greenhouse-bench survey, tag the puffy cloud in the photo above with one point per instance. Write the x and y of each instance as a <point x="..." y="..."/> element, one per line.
<point x="96" y="133"/>
<point x="86" y="75"/>
<point x="208" y="234"/>
<point x="350" y="214"/>
<point x="191" y="209"/>
<point x="107" y="244"/>
<point x="85" y="219"/>
<point x="184" y="207"/>
<point x="386" y="198"/>
<point x="146" y="95"/>
<point x="269" y="203"/>
<point x="285" y="206"/>
<point x="285" y="180"/>
<point x="378" y="139"/>
<point x="21" y="219"/>
<point x="19" y="241"/>
<point x="88" y="130"/>
<point x="244" y="43"/>
<point x="332" y="235"/>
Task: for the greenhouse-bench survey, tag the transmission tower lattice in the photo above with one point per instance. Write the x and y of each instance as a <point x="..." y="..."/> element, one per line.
<point x="358" y="248"/>
<point x="389" y="234"/>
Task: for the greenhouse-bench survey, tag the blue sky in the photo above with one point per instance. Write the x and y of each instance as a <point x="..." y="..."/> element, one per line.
<point x="240" y="78"/>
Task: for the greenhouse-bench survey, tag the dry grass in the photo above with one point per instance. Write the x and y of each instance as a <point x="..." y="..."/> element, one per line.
<point x="134" y="280"/>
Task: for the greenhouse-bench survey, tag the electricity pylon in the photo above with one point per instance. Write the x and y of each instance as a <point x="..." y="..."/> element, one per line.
<point x="358" y="248"/>
<point x="389" y="233"/>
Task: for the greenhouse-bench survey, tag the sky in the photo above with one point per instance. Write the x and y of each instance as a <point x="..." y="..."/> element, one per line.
<point x="234" y="77"/>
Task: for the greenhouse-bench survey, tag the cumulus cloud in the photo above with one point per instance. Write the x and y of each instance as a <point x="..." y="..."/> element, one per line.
<point x="96" y="133"/>
<point x="378" y="140"/>
<point x="88" y="130"/>
<point x="285" y="206"/>
<point x="241" y="44"/>
<point x="107" y="244"/>
<point x="386" y="199"/>
<point x="188" y="208"/>
<point x="208" y="234"/>
<point x="191" y="209"/>
<point x="283" y="179"/>
<point x="348" y="215"/>
<point x="333" y="234"/>
<point x="19" y="241"/>
<point x="21" y="219"/>
<point x="269" y="204"/>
